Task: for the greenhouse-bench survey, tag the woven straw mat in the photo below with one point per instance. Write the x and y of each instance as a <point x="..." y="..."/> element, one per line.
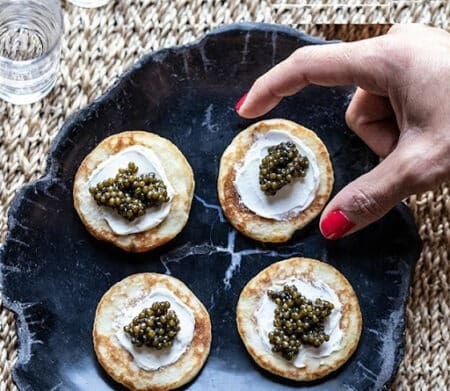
<point x="99" y="44"/>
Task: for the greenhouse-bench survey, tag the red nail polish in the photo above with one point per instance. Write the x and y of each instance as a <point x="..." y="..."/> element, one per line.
<point x="335" y="225"/>
<point x="240" y="102"/>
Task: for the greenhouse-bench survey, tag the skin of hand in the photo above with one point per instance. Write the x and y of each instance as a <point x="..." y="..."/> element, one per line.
<point x="401" y="110"/>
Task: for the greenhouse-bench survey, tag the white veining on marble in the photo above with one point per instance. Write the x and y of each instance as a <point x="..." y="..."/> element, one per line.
<point x="160" y="56"/>
<point x="207" y="122"/>
<point x="56" y="387"/>
<point x="205" y="61"/>
<point x="236" y="257"/>
<point x="36" y="204"/>
<point x="6" y="269"/>
<point x="46" y="191"/>
<point x="274" y="47"/>
<point x="182" y="252"/>
<point x="27" y="337"/>
<point x="186" y="64"/>
<point x="245" y="51"/>
<point x="186" y="250"/>
<point x="21" y="267"/>
<point x="373" y="331"/>
<point x="370" y="375"/>
<point x="215" y="207"/>
<point x="389" y="338"/>
<point x="212" y="304"/>
<point x="19" y="242"/>
<point x="13" y="223"/>
<point x="62" y="185"/>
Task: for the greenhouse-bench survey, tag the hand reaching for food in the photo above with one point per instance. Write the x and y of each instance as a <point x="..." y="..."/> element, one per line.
<point x="400" y="110"/>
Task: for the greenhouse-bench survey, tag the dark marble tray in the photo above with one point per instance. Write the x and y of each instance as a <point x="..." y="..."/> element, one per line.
<point x="54" y="272"/>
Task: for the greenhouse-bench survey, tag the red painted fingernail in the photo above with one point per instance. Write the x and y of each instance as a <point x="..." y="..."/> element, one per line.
<point x="240" y="102"/>
<point x="335" y="225"/>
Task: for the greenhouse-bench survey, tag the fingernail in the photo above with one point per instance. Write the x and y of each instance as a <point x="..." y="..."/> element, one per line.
<point x="335" y="225"/>
<point x="240" y="102"/>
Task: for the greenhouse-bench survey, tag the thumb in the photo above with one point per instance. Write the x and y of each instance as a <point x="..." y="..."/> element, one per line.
<point x="365" y="200"/>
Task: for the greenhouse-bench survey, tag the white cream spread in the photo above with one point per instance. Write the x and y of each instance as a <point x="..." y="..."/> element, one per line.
<point x="146" y="161"/>
<point x="264" y="316"/>
<point x="151" y="359"/>
<point x="292" y="198"/>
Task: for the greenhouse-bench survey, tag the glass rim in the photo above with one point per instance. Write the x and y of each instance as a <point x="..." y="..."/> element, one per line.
<point x="57" y="41"/>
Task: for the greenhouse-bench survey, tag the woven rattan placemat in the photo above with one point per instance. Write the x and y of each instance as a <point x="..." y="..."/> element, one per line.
<point x="100" y="44"/>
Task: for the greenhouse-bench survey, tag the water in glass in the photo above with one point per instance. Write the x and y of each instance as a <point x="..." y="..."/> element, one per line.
<point x="30" y="48"/>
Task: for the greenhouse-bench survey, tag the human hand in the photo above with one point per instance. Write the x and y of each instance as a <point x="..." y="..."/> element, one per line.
<point x="401" y="110"/>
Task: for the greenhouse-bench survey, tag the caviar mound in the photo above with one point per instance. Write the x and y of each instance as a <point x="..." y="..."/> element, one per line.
<point x="309" y="270"/>
<point x="297" y="321"/>
<point x="155" y="327"/>
<point x="243" y="219"/>
<point x="119" y="364"/>
<point x="178" y="172"/>
<point x="130" y="195"/>
<point x="280" y="167"/>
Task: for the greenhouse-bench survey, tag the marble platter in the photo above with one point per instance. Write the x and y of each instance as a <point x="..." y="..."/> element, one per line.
<point x="53" y="272"/>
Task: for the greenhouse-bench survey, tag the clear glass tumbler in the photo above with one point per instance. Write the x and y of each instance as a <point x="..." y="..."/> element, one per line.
<point x="89" y="3"/>
<point x="30" y="48"/>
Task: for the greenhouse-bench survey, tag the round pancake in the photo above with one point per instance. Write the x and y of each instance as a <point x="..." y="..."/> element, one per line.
<point x="310" y="270"/>
<point x="178" y="171"/>
<point x="119" y="364"/>
<point x="242" y="218"/>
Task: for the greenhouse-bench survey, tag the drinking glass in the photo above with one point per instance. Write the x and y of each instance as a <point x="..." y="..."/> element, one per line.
<point x="89" y="3"/>
<point x="30" y="48"/>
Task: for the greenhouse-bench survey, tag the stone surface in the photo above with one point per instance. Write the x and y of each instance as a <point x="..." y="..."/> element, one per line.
<point x="53" y="272"/>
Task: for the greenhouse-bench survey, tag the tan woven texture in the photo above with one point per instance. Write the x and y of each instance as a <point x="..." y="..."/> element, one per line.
<point x="100" y="44"/>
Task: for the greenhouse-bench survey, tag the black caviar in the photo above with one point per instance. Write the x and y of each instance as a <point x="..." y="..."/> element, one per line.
<point x="297" y="321"/>
<point x="280" y="166"/>
<point x="130" y="195"/>
<point x="155" y="327"/>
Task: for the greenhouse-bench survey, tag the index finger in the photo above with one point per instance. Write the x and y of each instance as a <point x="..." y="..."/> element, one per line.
<point x="362" y="63"/>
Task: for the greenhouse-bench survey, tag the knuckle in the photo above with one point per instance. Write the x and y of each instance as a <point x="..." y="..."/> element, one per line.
<point x="365" y="204"/>
<point x="400" y="28"/>
<point x="407" y="28"/>
<point x="266" y="87"/>
<point x="414" y="168"/>
<point x="351" y="117"/>
<point x="258" y="84"/>
<point x="304" y="56"/>
<point x="399" y="57"/>
<point x="303" y="52"/>
<point x="356" y="115"/>
<point x="408" y="169"/>
<point x="298" y="54"/>
<point x="420" y="170"/>
<point x="262" y="85"/>
<point x="396" y="28"/>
